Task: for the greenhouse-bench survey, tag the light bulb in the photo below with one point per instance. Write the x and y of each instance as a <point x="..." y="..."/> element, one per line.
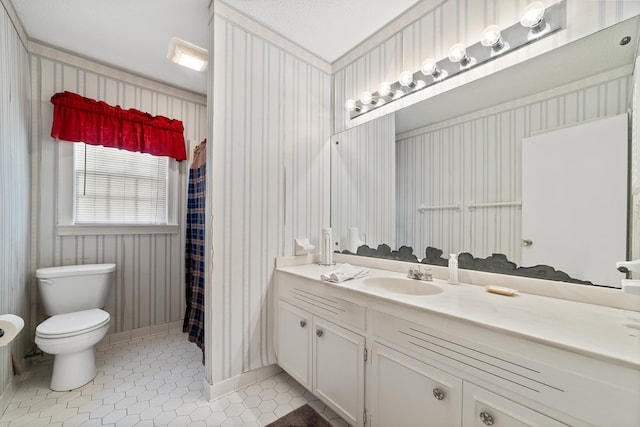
<point x="384" y="89"/>
<point x="430" y="68"/>
<point x="491" y="36"/>
<point x="350" y="105"/>
<point x="406" y="79"/>
<point x="457" y="53"/>
<point x="533" y="15"/>
<point x="366" y="98"/>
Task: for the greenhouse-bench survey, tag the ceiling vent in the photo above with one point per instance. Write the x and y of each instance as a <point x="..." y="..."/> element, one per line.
<point x="188" y="54"/>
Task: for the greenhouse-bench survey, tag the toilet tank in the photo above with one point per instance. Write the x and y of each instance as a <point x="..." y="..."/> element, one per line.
<point x="72" y="288"/>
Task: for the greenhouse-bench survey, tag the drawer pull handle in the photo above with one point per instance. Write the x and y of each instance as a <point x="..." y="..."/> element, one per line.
<point x="303" y="323"/>
<point x="438" y="394"/>
<point x="319" y="332"/>
<point x="486" y="418"/>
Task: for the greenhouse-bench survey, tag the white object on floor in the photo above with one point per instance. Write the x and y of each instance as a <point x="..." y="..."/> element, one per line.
<point x="73" y="296"/>
<point x="344" y="272"/>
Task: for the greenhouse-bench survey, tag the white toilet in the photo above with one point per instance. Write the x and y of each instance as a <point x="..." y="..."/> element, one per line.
<point x="73" y="296"/>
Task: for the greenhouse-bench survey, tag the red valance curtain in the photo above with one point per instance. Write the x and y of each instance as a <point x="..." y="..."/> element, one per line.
<point x="80" y="119"/>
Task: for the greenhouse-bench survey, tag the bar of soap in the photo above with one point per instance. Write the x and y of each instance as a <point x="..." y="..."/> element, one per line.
<point x="500" y="290"/>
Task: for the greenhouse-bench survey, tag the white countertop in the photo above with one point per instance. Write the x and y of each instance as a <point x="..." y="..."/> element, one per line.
<point x="590" y="329"/>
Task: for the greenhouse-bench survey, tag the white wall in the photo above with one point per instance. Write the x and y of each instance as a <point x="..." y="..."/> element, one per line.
<point x="14" y="192"/>
<point x="149" y="280"/>
<point x="478" y="158"/>
<point x="270" y="128"/>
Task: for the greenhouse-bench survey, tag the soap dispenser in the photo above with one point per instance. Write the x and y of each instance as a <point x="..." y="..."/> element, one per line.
<point x="453" y="269"/>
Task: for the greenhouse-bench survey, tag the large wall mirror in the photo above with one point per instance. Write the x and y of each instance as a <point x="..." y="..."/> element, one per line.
<point x="470" y="170"/>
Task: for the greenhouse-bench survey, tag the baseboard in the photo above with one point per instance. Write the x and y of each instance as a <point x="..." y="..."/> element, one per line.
<point x="230" y="385"/>
<point x="140" y="333"/>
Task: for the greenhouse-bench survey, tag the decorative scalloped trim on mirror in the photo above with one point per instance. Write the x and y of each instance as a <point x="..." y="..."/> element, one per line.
<point x="496" y="263"/>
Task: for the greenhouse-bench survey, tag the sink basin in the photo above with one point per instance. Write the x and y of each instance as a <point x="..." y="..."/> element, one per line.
<point x="399" y="285"/>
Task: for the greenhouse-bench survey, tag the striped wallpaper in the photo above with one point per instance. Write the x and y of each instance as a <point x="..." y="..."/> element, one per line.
<point x="271" y="110"/>
<point x="444" y="24"/>
<point x="14" y="193"/>
<point x="363" y="189"/>
<point x="634" y="214"/>
<point x="270" y="125"/>
<point x="478" y="158"/>
<point x="149" y="280"/>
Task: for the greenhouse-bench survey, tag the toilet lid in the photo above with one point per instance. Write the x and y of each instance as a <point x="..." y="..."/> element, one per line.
<point x="69" y="324"/>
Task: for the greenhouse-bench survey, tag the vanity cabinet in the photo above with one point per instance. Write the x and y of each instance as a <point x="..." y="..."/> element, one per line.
<point x="326" y="358"/>
<point x="428" y="369"/>
<point x="406" y="392"/>
<point x="338" y="369"/>
<point x="295" y="342"/>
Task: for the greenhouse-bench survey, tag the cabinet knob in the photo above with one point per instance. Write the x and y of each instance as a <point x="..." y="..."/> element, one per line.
<point x="319" y="332"/>
<point x="438" y="394"/>
<point x="486" y="418"/>
<point x="303" y="323"/>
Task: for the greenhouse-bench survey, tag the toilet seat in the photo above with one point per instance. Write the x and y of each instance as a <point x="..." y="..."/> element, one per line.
<point x="72" y="324"/>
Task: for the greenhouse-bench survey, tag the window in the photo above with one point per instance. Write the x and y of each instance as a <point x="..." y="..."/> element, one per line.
<point x="113" y="186"/>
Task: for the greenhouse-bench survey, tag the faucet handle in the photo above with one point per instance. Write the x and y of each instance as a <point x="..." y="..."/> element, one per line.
<point x="411" y="273"/>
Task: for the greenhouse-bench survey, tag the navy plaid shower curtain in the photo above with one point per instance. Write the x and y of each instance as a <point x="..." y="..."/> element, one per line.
<point x="194" y="252"/>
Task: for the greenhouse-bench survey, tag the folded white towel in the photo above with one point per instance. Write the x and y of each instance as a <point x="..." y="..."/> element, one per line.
<point x="344" y="272"/>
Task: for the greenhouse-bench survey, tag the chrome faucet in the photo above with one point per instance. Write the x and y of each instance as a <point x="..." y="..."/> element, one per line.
<point x="418" y="273"/>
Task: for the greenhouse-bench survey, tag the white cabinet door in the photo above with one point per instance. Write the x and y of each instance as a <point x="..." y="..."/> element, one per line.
<point x="294" y="342"/>
<point x="409" y="393"/>
<point x="338" y="375"/>
<point x="483" y="408"/>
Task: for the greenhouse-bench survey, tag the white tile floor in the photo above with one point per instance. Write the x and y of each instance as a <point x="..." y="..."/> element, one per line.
<point x="155" y="381"/>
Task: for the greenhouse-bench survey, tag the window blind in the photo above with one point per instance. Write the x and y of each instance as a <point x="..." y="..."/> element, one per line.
<point x="113" y="186"/>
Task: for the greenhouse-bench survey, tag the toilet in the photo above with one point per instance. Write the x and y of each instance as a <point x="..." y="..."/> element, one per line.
<point x="73" y="296"/>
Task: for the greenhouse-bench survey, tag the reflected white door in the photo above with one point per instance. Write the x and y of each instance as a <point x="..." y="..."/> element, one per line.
<point x="574" y="199"/>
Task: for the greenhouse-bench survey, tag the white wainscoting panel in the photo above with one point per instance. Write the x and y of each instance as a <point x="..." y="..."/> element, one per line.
<point x="14" y="193"/>
<point x="270" y="124"/>
<point x="478" y="158"/>
<point x="149" y="280"/>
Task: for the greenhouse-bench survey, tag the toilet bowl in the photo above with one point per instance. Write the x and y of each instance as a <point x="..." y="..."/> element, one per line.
<point x="71" y="339"/>
<point x="73" y="296"/>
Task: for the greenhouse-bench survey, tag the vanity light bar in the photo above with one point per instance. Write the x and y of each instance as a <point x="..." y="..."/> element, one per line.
<point x="536" y="23"/>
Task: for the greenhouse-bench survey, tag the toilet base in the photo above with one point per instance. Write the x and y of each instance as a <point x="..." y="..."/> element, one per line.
<point x="73" y="370"/>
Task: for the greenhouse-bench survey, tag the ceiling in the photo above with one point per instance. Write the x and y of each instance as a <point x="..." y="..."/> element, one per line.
<point x="134" y="34"/>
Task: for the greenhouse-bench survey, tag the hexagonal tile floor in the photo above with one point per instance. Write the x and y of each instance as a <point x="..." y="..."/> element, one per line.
<point x="155" y="381"/>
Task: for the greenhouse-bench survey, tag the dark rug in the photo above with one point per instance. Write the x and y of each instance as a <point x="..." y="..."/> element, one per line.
<point x="304" y="416"/>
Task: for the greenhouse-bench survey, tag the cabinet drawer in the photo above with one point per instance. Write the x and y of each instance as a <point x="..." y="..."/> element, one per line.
<point x="483" y="408"/>
<point x="320" y="299"/>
